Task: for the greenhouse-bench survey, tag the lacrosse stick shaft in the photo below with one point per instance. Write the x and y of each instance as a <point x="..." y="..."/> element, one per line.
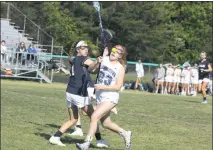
<point x="97" y="7"/>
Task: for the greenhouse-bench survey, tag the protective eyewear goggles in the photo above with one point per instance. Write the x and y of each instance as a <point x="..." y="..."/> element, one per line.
<point x="115" y="50"/>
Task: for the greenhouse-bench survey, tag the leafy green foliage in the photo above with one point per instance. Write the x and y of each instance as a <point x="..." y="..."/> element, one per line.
<point x="157" y="32"/>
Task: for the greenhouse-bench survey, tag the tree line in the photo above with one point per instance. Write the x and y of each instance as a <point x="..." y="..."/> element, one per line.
<point x="157" y="32"/>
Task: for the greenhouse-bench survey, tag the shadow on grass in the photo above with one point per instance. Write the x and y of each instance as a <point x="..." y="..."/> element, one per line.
<point x="193" y="101"/>
<point x="64" y="139"/>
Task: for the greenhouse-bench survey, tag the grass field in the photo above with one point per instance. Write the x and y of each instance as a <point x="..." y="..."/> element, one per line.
<point x="32" y="112"/>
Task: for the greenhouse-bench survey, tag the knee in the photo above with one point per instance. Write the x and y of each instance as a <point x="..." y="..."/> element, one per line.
<point x="94" y="118"/>
<point x="105" y="124"/>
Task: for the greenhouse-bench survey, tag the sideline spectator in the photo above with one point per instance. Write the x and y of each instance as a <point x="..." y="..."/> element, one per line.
<point x="160" y="78"/>
<point x="31" y="57"/>
<point x="3" y="50"/>
<point x="168" y="78"/>
<point x="20" y="52"/>
<point x="140" y="72"/>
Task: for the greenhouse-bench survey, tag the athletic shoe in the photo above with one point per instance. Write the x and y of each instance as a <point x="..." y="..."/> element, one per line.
<point x="56" y="141"/>
<point x="77" y="132"/>
<point x="83" y="146"/>
<point x="204" y="102"/>
<point x="127" y="138"/>
<point x="102" y="144"/>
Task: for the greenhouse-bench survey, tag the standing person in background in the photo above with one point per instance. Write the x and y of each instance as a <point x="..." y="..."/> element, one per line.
<point x="204" y="69"/>
<point x="31" y="56"/>
<point x="185" y="80"/>
<point x="140" y="72"/>
<point x="168" y="78"/>
<point x="20" y="52"/>
<point x="194" y="80"/>
<point x="160" y="78"/>
<point x="3" y="51"/>
<point x="176" y="79"/>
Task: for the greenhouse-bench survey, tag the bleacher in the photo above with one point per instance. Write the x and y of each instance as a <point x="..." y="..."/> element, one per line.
<point x="13" y="35"/>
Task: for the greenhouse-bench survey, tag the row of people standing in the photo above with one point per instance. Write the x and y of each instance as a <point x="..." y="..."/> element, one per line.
<point x="183" y="81"/>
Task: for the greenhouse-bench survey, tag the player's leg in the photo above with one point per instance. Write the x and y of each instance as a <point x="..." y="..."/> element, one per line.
<point x="78" y="130"/>
<point x="200" y="86"/>
<point x="73" y="114"/>
<point x="166" y="86"/>
<point x="157" y="86"/>
<point x="101" y="143"/>
<point x="108" y="124"/>
<point x="101" y="110"/>
<point x="203" y="88"/>
<point x="169" y="86"/>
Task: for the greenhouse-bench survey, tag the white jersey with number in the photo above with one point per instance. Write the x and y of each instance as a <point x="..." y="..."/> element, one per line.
<point x="107" y="76"/>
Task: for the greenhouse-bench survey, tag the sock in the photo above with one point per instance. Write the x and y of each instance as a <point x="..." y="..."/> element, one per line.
<point x="98" y="136"/>
<point x="122" y="132"/>
<point x="88" y="139"/>
<point x="58" y="134"/>
<point x="78" y="126"/>
<point x="204" y="99"/>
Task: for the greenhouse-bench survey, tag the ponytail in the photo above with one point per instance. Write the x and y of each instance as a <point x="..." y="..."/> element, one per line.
<point x="122" y="60"/>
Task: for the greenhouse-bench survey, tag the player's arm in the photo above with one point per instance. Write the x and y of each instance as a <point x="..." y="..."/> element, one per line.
<point x="209" y="68"/>
<point x="118" y="84"/>
<point x="93" y="65"/>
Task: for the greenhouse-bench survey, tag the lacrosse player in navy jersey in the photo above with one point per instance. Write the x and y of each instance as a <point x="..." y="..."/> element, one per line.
<point x="204" y="69"/>
<point x="76" y="92"/>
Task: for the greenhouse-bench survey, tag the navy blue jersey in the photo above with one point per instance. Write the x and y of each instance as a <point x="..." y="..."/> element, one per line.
<point x="203" y="66"/>
<point x="78" y="81"/>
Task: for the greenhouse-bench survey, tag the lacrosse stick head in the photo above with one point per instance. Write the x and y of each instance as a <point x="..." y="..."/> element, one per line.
<point x="106" y="36"/>
<point x="96" y="5"/>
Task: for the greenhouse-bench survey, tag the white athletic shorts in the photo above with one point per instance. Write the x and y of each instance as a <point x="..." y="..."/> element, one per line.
<point x="161" y="80"/>
<point x="169" y="79"/>
<point x="77" y="100"/>
<point x="204" y="80"/>
<point x="139" y="75"/>
<point x="194" y="80"/>
<point x="107" y="96"/>
<point x="176" y="80"/>
<point x="185" y="81"/>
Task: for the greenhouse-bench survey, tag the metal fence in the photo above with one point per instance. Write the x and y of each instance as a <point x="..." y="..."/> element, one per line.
<point x="34" y="33"/>
<point x="25" y="65"/>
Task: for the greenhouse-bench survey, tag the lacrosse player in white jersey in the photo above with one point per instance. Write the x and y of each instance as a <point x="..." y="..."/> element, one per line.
<point x="110" y="81"/>
<point x="168" y="78"/>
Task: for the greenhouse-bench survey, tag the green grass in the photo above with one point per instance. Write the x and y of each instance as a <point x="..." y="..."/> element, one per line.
<point x="129" y="76"/>
<point x="32" y="112"/>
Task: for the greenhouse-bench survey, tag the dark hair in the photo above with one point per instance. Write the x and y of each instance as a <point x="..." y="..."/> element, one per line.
<point x="3" y="41"/>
